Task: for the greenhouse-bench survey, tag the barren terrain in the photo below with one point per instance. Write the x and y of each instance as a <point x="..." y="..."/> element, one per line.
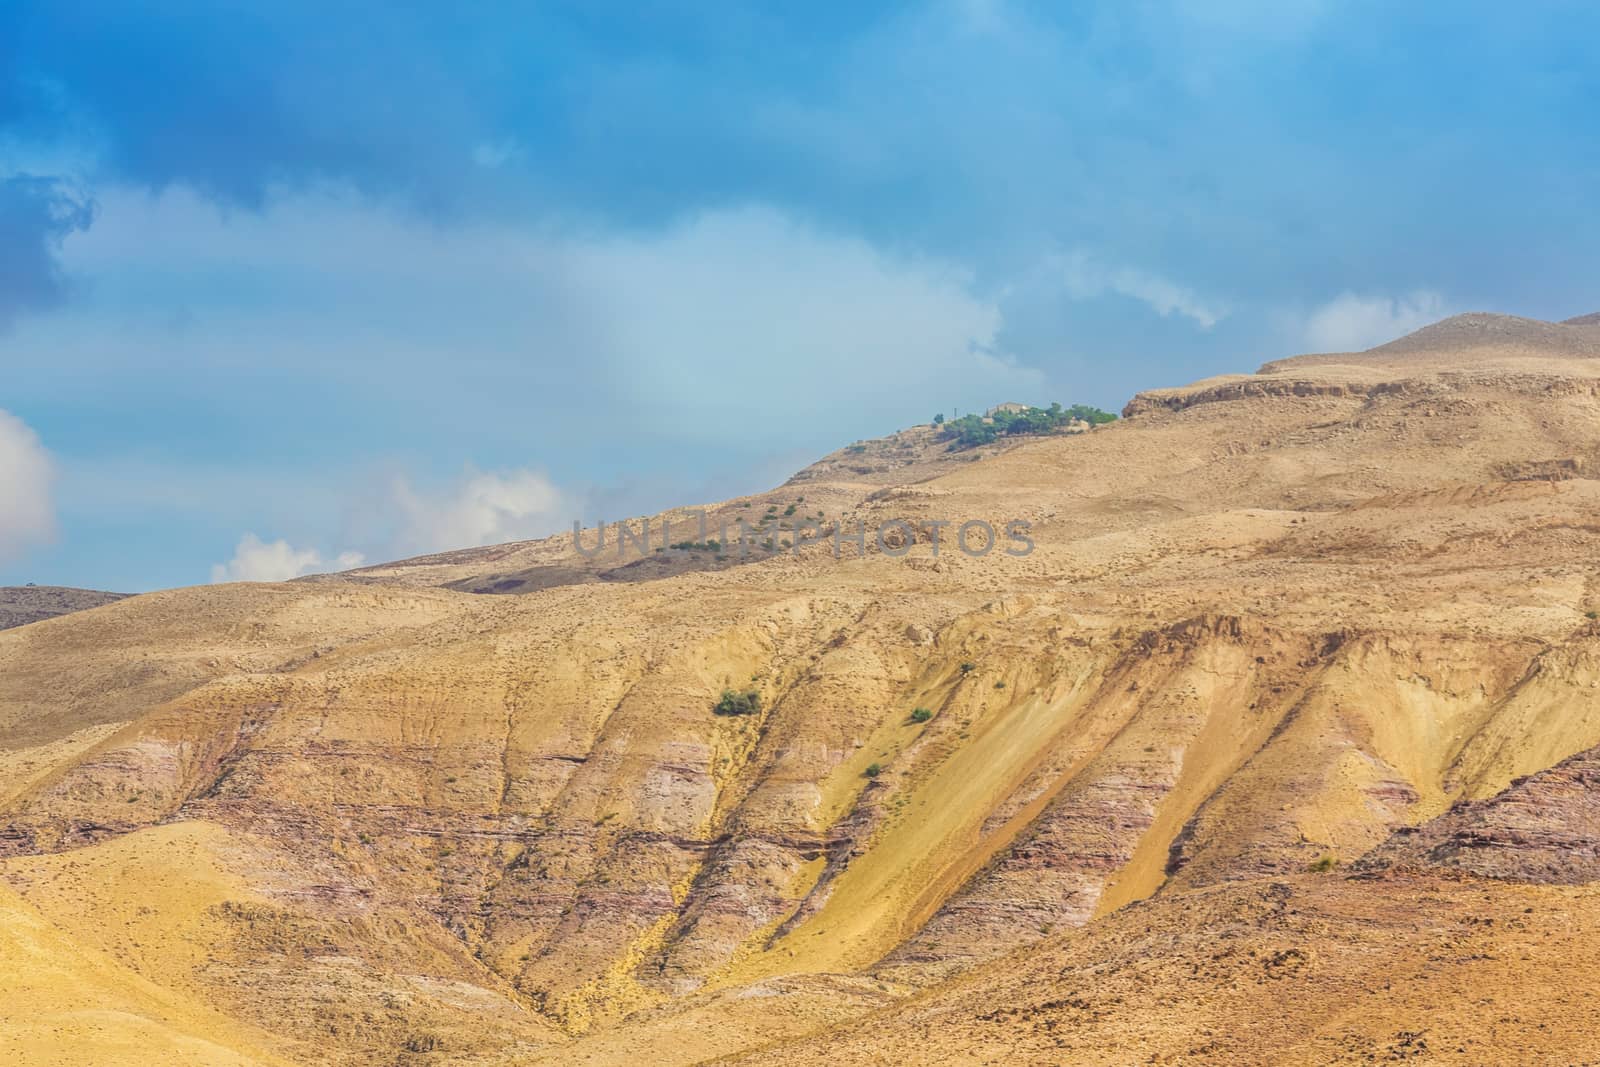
<point x="22" y="604"/>
<point x="1275" y="749"/>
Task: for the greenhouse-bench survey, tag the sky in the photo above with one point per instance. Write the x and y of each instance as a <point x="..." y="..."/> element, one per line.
<point x="288" y="286"/>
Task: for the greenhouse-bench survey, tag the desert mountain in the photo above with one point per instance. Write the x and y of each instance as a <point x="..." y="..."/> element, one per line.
<point x="827" y="494"/>
<point x="1270" y="750"/>
<point x="22" y="604"/>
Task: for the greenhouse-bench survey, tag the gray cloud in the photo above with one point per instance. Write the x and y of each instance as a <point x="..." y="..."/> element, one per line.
<point x="1088" y="278"/>
<point x="36" y="214"/>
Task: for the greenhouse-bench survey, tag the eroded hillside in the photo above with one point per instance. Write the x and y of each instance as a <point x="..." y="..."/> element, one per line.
<point x="1270" y="623"/>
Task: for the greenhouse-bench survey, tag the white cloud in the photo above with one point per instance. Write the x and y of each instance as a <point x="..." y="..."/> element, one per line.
<point x="737" y="322"/>
<point x="277" y="561"/>
<point x="1089" y="279"/>
<point x="742" y="332"/>
<point x="1353" y="323"/>
<point x="743" y="320"/>
<point x="485" y="508"/>
<point x="27" y="513"/>
<point x="400" y="520"/>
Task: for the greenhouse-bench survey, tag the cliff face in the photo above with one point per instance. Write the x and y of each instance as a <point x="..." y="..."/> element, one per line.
<point x="1268" y="624"/>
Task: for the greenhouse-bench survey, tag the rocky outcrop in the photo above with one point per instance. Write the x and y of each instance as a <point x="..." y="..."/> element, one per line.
<point x="1253" y="388"/>
<point x="1544" y="828"/>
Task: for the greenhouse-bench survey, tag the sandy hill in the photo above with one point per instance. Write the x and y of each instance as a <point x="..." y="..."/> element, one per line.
<point x="22" y="604"/>
<point x="1200" y="779"/>
<point x="827" y="493"/>
<point x="1462" y="341"/>
<point x="1498" y="333"/>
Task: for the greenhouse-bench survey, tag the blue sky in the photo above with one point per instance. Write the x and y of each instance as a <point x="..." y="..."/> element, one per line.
<point x="284" y="285"/>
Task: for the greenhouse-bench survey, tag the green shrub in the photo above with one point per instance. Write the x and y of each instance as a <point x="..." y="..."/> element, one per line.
<point x="968" y="667"/>
<point x="734" y="702"/>
<point x="921" y="715"/>
<point x="873" y="770"/>
<point x="697" y="546"/>
<point x="1323" y="865"/>
<point x="1000" y="684"/>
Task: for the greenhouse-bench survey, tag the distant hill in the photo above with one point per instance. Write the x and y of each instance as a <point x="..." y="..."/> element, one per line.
<point x="1475" y="336"/>
<point x="1482" y="329"/>
<point x="824" y="493"/>
<point x="22" y="604"/>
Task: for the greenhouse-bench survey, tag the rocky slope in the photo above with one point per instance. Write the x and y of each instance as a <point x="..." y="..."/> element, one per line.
<point x="1543" y="828"/>
<point x="1309" y="969"/>
<point x="817" y="501"/>
<point x="1270" y="623"/>
<point x="22" y="604"/>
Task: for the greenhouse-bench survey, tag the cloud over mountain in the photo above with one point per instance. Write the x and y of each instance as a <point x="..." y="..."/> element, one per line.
<point x="27" y="512"/>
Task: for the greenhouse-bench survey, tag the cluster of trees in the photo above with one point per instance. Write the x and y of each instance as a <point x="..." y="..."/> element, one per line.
<point x="971" y="430"/>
